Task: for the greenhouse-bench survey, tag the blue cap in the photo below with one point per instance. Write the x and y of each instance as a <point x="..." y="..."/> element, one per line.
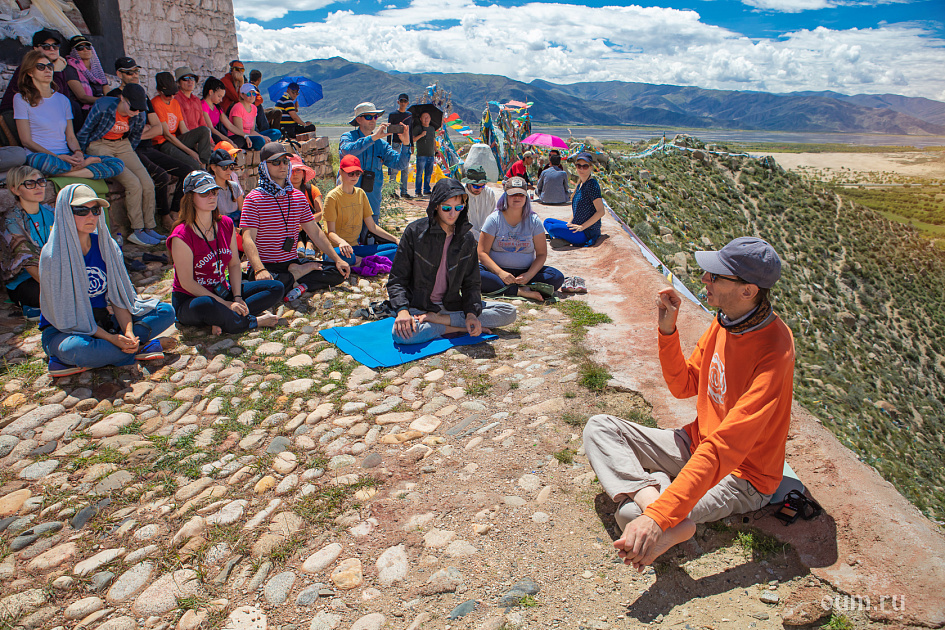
<point x="584" y="155"/>
<point x="747" y="257"/>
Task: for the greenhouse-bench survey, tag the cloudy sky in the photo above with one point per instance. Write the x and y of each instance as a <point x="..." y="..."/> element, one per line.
<point x="848" y="46"/>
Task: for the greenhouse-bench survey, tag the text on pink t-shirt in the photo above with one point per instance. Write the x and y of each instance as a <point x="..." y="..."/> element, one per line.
<point x="210" y="257"/>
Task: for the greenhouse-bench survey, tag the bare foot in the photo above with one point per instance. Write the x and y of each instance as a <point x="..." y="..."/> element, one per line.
<point x="81" y="173"/>
<point x="298" y="271"/>
<point x="168" y="343"/>
<point x="216" y="331"/>
<point x="269" y="320"/>
<point x="671" y="537"/>
<point x="531" y="295"/>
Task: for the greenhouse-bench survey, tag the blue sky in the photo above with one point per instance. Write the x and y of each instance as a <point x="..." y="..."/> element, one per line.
<point x="849" y="46"/>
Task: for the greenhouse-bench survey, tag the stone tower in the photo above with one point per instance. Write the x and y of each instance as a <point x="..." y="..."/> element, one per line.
<point x="159" y="34"/>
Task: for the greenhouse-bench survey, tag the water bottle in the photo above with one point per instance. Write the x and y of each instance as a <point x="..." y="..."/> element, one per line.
<point x="120" y="241"/>
<point x="295" y="293"/>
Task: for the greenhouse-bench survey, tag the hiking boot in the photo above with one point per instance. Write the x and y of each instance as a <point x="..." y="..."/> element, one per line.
<point x="152" y="351"/>
<point x="57" y="368"/>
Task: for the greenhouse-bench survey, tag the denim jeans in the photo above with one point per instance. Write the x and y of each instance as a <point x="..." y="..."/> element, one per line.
<point x="91" y="352"/>
<point x="493" y="314"/>
<point x="387" y="250"/>
<point x="205" y="311"/>
<point x="559" y="229"/>
<point x="491" y="282"/>
<point x="424" y="173"/>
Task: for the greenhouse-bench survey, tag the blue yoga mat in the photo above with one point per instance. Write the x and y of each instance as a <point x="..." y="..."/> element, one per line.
<point x="371" y="344"/>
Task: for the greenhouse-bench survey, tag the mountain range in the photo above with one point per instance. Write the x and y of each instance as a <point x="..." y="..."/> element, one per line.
<point x="345" y="84"/>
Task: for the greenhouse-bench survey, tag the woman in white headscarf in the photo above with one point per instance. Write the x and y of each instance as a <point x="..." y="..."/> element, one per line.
<point x="81" y="274"/>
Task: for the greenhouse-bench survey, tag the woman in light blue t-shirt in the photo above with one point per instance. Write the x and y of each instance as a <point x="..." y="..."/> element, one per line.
<point x="513" y="249"/>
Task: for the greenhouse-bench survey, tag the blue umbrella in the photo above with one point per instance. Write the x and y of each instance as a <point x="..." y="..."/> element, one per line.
<point x="309" y="91"/>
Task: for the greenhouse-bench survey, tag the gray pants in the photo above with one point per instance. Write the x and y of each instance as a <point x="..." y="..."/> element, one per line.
<point x="493" y="314"/>
<point x="198" y="140"/>
<point x="622" y="452"/>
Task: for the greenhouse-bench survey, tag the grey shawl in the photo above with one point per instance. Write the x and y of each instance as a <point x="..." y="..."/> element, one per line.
<point x="64" y="281"/>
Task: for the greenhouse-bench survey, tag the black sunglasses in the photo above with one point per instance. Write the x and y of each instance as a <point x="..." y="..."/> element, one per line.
<point x="49" y="46"/>
<point x="45" y="66"/>
<point x="278" y="161"/>
<point x="715" y="277"/>
<point x="83" y="211"/>
<point x="83" y="47"/>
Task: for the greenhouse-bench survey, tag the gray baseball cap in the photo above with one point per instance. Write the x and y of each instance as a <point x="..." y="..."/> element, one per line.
<point x="747" y="257"/>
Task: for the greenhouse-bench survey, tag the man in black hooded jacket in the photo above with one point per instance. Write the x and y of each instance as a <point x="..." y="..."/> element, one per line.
<point x="434" y="283"/>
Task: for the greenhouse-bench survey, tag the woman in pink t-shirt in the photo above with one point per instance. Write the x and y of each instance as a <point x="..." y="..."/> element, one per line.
<point x="243" y="116"/>
<point x="213" y="116"/>
<point x="202" y="247"/>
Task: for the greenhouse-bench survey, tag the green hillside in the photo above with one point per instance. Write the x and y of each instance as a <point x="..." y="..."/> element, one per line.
<point x="865" y="298"/>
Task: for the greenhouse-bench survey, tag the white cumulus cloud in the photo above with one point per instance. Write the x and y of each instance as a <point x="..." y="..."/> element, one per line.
<point x="567" y="43"/>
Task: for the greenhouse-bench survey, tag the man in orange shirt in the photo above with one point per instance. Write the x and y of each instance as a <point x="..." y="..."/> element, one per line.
<point x="190" y="146"/>
<point x="730" y="459"/>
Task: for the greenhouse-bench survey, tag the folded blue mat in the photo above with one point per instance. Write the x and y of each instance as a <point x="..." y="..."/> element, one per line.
<point x="372" y="345"/>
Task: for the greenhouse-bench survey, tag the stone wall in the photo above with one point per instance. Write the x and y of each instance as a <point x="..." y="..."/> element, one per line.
<point x="165" y="34"/>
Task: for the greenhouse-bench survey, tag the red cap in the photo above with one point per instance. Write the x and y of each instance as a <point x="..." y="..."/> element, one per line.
<point x="350" y="163"/>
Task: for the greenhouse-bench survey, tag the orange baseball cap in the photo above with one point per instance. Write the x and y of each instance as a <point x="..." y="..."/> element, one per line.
<point x="228" y="147"/>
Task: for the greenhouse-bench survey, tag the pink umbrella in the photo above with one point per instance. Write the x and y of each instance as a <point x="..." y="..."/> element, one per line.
<point x="545" y="140"/>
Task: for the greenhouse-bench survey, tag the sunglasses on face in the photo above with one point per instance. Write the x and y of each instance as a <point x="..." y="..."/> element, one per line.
<point x="238" y="68"/>
<point x="83" y="47"/>
<point x="476" y="186"/>
<point x="228" y="167"/>
<point x="456" y="208"/>
<point x="30" y="184"/>
<point x="715" y="277"/>
<point x="206" y="195"/>
<point x="188" y="78"/>
<point x="83" y="211"/>
<point x="353" y="173"/>
<point x="278" y="161"/>
<point x="131" y="71"/>
<point x="44" y="66"/>
<point x="49" y="46"/>
<point x="370" y="116"/>
<point x="582" y="166"/>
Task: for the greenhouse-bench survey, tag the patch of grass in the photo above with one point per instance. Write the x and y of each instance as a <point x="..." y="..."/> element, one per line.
<point x="565" y="455"/>
<point x="757" y="545"/>
<point x="573" y="419"/>
<point x="28" y="371"/>
<point x="594" y="377"/>
<point x="322" y="506"/>
<point x="570" y="394"/>
<point x="582" y="316"/>
<point x="477" y="385"/>
<point x="131" y="428"/>
<point x="284" y="552"/>
<point x="107" y="455"/>
<point x="838" y="621"/>
<point x="528" y="602"/>
<point x="191" y="602"/>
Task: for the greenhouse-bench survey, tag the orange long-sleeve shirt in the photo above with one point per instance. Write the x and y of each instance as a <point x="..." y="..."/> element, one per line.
<point x="744" y="385"/>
